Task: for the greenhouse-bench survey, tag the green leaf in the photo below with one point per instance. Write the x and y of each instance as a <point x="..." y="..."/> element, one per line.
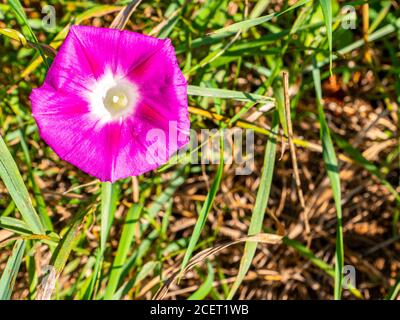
<point x="15" y="185"/>
<point x="10" y="273"/>
<point x="331" y="165"/>
<point x="260" y="206"/>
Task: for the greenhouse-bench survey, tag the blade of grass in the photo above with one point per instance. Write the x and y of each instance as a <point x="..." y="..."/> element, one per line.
<point x="232" y="29"/>
<point x="394" y="291"/>
<point x="143" y="272"/>
<point x="14" y="34"/>
<point x="17" y="189"/>
<point x="177" y="179"/>
<point x="326" y="6"/>
<point x="200" y="257"/>
<point x="14" y="225"/>
<point x="108" y="205"/>
<point x="206" y="287"/>
<point x="97" y="11"/>
<point x="381" y="16"/>
<point x="60" y="256"/>
<point x="40" y="204"/>
<point x="65" y="246"/>
<point x="331" y="165"/>
<point x="259" y="8"/>
<point x="88" y="294"/>
<point x="226" y="94"/>
<point x="307" y="253"/>
<point x="246" y="24"/>
<point x="27" y="30"/>
<point x="201" y="220"/>
<point x="260" y="206"/>
<point x="357" y="156"/>
<point x="10" y="273"/>
<point x="127" y="236"/>
<point x="380" y="33"/>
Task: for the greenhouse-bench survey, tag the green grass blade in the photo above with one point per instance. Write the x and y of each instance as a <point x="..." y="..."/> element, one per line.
<point x="27" y="30"/>
<point x="14" y="225"/>
<point x="65" y="246"/>
<point x="40" y="204"/>
<point x="232" y="29"/>
<point x="108" y="204"/>
<point x="62" y="252"/>
<point x="10" y="273"/>
<point x="143" y="272"/>
<point x="13" y="34"/>
<point x="326" y="6"/>
<point x="109" y="198"/>
<point x="260" y="206"/>
<point x="357" y="156"/>
<point x="259" y="8"/>
<point x="88" y="294"/>
<point x="307" y="253"/>
<point x="201" y="220"/>
<point x="124" y="245"/>
<point x="331" y="164"/>
<point x="206" y="287"/>
<point x="379" y="34"/>
<point x="244" y="25"/>
<point x="226" y="94"/>
<point x="17" y="189"/>
<point x="394" y="291"/>
<point x="97" y="11"/>
<point x="177" y="179"/>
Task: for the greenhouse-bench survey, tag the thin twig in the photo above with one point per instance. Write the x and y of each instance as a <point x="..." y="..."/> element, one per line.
<point x="285" y="76"/>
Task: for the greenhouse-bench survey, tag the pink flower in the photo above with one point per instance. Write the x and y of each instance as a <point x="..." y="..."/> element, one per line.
<point x="114" y="103"/>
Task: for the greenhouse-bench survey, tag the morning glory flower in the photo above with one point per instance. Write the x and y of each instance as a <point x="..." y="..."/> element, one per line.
<point x="114" y="103"/>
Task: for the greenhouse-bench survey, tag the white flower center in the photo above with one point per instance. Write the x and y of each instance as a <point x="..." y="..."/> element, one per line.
<point x="116" y="100"/>
<point x="112" y="98"/>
